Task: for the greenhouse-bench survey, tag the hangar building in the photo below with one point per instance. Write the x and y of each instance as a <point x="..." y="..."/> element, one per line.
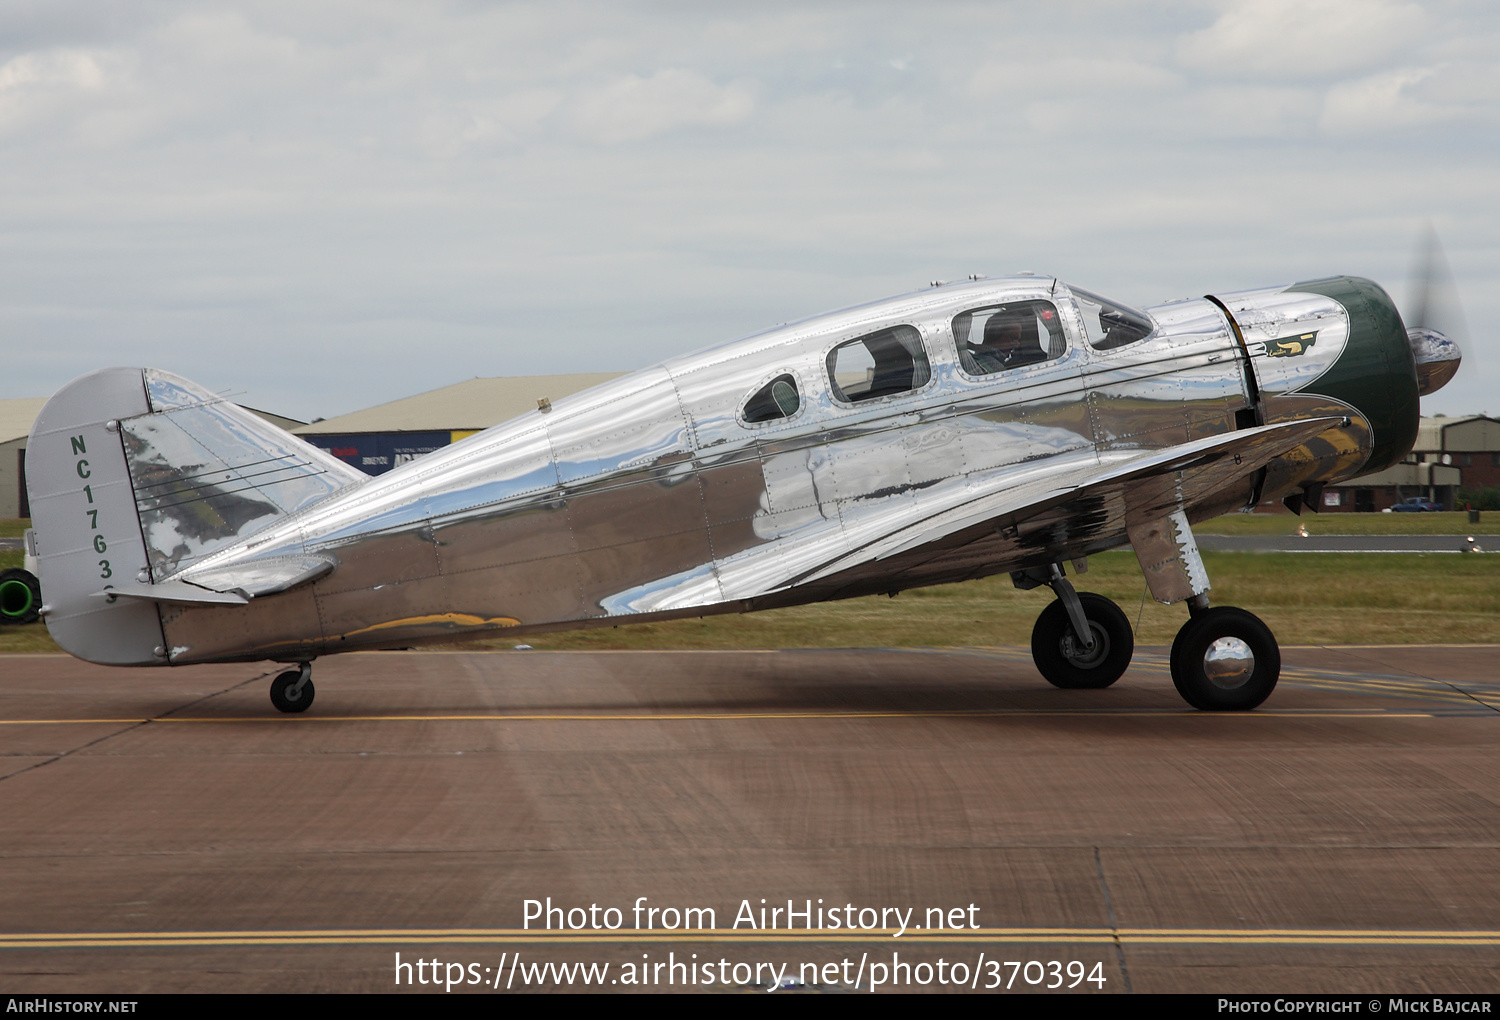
<point x="381" y="437"/>
<point x="16" y="417"/>
<point x="1450" y="454"/>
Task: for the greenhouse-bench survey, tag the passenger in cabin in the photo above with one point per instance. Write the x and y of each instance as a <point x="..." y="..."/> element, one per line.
<point x="1010" y="341"/>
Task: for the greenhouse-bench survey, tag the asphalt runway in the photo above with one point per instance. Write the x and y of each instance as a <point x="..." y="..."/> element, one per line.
<point x="167" y="830"/>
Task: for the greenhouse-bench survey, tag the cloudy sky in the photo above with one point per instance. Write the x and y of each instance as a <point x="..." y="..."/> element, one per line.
<point x="320" y="206"/>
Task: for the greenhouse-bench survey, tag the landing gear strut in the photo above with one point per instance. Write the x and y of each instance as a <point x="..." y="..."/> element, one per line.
<point x="1082" y="640"/>
<point x="1223" y="659"/>
<point x="293" y="690"/>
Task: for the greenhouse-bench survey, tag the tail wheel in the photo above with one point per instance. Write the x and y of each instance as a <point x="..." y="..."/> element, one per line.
<point x="287" y="696"/>
<point x="1065" y="661"/>
<point x="1225" y="659"/>
<point x="20" y="597"/>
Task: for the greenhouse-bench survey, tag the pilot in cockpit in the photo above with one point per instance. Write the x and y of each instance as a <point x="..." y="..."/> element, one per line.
<point x="1010" y="341"/>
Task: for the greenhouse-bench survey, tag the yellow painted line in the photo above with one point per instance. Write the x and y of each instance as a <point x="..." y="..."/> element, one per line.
<point x="1375" y="687"/>
<point x="802" y="933"/>
<point x="63" y="722"/>
<point x="1315" y="932"/>
<point x="741" y="716"/>
<point x="1364" y="680"/>
<point x="596" y="939"/>
<point x="1335" y="648"/>
<point x="1389" y="690"/>
<point x="1178" y="936"/>
<point x="1433" y="698"/>
<point x="738" y="716"/>
<point x="1412" y="690"/>
<point x="1150" y="663"/>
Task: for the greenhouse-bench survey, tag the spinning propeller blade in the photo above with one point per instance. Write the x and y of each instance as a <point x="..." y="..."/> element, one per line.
<point x="1436" y="321"/>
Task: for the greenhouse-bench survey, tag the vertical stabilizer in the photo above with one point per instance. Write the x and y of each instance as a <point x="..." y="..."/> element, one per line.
<point x="88" y="536"/>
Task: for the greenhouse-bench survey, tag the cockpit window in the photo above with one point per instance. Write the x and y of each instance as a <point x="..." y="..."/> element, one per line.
<point x="1109" y="324"/>
<point x="879" y="365"/>
<point x="776" y="399"/>
<point x="1000" y="337"/>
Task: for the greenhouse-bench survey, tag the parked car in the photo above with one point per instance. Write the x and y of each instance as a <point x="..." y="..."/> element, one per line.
<point x="1417" y="505"/>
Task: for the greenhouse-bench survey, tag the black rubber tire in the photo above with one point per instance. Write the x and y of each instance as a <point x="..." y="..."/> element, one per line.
<point x="1189" y="668"/>
<point x="1054" y="650"/>
<point x="282" y="698"/>
<point x="20" y="596"/>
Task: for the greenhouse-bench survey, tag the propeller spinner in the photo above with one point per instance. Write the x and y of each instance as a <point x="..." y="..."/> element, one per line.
<point x="1436" y="353"/>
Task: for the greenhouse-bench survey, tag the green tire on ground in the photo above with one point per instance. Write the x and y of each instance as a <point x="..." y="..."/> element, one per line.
<point x="20" y="597"/>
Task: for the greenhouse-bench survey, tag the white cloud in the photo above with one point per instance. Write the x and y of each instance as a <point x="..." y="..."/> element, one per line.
<point x="632" y="108"/>
<point x="67" y="68"/>
<point x="37" y="88"/>
<point x="1380" y="102"/>
<point x="1070" y="75"/>
<point x="421" y="190"/>
<point x="1301" y="38"/>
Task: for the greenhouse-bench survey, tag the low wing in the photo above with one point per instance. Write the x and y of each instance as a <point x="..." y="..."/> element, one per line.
<point x="1044" y="510"/>
<point x="1151" y="484"/>
<point x="954" y="531"/>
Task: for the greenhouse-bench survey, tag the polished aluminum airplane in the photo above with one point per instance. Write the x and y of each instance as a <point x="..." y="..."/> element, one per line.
<point x="1013" y="425"/>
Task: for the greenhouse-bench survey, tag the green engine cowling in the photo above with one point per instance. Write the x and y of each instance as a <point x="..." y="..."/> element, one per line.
<point x="1376" y="371"/>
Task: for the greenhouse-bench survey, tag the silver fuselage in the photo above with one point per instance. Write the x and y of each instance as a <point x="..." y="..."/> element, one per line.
<point x="651" y="497"/>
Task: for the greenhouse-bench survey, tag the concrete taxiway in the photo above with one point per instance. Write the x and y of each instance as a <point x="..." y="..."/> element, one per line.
<point x="167" y="830"/>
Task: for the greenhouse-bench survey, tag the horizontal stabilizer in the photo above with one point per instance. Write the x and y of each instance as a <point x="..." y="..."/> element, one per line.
<point x="175" y="591"/>
<point x="231" y="586"/>
<point x="262" y="577"/>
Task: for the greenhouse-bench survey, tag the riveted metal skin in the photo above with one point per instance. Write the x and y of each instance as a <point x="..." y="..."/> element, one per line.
<point x="652" y="496"/>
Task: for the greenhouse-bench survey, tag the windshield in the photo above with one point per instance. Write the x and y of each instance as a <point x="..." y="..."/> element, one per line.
<point x="1110" y="324"/>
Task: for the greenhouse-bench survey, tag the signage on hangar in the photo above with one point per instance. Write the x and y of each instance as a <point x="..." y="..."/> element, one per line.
<point x="375" y="453"/>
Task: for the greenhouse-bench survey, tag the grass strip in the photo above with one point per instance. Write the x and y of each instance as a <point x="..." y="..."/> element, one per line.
<point x="1331" y="598"/>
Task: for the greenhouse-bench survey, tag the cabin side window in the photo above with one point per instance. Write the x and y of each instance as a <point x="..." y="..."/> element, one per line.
<point x="879" y="365"/>
<point x="1110" y="324"/>
<point x="997" y="338"/>
<point x="776" y="399"/>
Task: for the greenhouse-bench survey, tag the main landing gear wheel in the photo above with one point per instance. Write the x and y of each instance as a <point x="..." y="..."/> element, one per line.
<point x="290" y="692"/>
<point x="1225" y="659"/>
<point x="1065" y="661"/>
<point x="20" y="596"/>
